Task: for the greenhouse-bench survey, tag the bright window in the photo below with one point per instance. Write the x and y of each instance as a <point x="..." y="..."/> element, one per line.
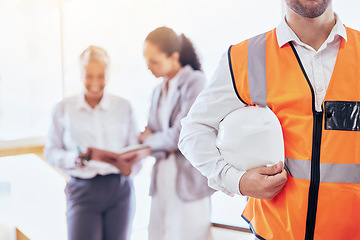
<point x="348" y="12"/>
<point x="30" y="76"/>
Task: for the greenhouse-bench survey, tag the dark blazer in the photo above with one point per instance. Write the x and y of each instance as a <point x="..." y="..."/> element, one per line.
<point x="190" y="184"/>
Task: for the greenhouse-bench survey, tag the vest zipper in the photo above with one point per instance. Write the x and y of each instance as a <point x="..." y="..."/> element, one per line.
<point x="315" y="176"/>
<point x="315" y="160"/>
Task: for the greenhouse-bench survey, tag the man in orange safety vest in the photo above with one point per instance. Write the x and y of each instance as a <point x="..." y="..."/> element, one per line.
<point x="307" y="71"/>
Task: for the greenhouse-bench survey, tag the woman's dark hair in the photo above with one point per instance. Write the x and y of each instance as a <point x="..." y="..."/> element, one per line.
<point x="169" y="42"/>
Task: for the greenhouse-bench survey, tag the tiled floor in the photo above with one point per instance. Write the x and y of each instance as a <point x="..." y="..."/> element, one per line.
<point x="217" y="234"/>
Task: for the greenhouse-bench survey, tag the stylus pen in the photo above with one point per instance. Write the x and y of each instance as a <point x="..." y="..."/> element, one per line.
<point x="79" y="151"/>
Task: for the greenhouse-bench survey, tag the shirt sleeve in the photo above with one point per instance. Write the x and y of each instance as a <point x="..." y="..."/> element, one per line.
<point x="133" y="134"/>
<point x="200" y="128"/>
<point x="133" y="131"/>
<point x="55" y="152"/>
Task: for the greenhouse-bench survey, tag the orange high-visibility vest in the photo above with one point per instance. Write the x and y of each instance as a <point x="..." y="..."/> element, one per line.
<point x="321" y="199"/>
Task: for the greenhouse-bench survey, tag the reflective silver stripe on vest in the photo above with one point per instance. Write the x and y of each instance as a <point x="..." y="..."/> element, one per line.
<point x="257" y="69"/>
<point x="329" y="172"/>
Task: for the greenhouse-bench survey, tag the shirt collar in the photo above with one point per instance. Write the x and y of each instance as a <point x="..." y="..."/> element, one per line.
<point x="104" y="103"/>
<point x="174" y="81"/>
<point x="285" y="34"/>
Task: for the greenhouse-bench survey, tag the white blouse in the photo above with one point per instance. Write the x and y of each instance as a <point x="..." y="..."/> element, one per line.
<point x="109" y="126"/>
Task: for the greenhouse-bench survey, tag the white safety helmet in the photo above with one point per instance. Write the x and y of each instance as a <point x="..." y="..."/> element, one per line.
<point x="251" y="137"/>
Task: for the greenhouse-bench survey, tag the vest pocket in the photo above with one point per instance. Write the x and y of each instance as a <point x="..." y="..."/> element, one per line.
<point x="342" y="115"/>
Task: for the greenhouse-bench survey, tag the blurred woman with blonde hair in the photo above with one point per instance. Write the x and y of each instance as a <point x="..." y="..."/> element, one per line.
<point x="100" y="198"/>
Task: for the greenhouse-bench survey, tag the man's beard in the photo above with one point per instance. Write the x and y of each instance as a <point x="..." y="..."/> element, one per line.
<point x="308" y="12"/>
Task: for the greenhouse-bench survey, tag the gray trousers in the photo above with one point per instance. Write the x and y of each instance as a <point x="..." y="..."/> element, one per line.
<point x="101" y="208"/>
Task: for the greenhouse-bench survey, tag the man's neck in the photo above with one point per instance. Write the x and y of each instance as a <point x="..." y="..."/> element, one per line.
<point x="311" y="31"/>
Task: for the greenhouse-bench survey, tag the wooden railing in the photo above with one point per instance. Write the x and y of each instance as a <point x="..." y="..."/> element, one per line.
<point x="20" y="235"/>
<point x="229" y="227"/>
<point x="38" y="150"/>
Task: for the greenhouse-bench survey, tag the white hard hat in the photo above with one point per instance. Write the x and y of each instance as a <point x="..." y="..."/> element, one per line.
<point x="251" y="137"/>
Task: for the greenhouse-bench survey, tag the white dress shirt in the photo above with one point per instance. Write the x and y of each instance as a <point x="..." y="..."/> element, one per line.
<point x="166" y="166"/>
<point x="200" y="127"/>
<point x="109" y="126"/>
<point x="169" y="216"/>
<point x="166" y="173"/>
<point x="165" y="99"/>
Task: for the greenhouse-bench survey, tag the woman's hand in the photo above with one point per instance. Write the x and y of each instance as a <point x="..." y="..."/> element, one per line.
<point x="145" y="134"/>
<point x="81" y="160"/>
<point x="91" y="153"/>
